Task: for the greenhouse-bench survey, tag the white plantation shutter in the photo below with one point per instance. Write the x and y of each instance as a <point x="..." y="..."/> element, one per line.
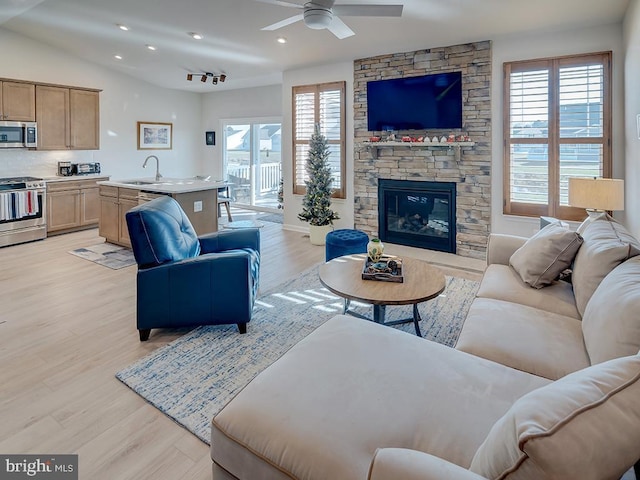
<point x="322" y="104"/>
<point x="556" y="125"/>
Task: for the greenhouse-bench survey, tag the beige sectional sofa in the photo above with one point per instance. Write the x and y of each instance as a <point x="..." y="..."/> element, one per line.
<point x="540" y="386"/>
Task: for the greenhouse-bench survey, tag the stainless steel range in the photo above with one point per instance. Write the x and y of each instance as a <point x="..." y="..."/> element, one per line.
<point x="23" y="210"/>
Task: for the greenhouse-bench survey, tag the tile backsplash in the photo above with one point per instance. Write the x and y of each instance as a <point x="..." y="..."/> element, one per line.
<point x="19" y="162"/>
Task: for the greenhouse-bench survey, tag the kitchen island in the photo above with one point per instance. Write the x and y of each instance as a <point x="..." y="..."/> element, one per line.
<point x="198" y="198"/>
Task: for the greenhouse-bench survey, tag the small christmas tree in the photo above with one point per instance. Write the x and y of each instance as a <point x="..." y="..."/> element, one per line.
<point x="281" y="193"/>
<point x="317" y="201"/>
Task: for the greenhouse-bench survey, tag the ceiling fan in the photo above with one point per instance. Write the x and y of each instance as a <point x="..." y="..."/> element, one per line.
<point x="320" y="14"/>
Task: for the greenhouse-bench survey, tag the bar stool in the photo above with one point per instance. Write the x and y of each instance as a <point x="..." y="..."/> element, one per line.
<point x="224" y="198"/>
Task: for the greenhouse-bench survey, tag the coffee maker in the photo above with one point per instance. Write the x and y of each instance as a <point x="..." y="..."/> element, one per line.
<point x="64" y="169"/>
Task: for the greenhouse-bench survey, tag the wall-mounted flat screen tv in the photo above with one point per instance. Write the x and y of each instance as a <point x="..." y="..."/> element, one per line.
<point x="415" y="103"/>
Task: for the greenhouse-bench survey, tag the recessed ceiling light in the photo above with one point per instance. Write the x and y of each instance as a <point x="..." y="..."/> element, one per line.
<point x="196" y="35"/>
<point x="118" y="57"/>
<point x="123" y="27"/>
<point x="151" y="47"/>
<point x="281" y="40"/>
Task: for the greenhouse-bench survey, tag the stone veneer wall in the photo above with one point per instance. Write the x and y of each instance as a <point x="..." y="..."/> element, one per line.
<point x="472" y="173"/>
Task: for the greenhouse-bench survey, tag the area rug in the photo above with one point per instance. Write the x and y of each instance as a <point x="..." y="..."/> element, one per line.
<point x="192" y="378"/>
<point x="271" y="217"/>
<point x="106" y="254"/>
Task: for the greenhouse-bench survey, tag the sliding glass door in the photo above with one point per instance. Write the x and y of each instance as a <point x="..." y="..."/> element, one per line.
<point x="252" y="162"/>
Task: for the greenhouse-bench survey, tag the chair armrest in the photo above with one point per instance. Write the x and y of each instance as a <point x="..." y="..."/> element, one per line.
<point x="405" y="464"/>
<point x="224" y="262"/>
<point x="230" y="240"/>
<point x="501" y="247"/>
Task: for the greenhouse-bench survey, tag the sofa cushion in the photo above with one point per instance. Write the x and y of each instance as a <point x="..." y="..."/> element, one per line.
<point x="501" y="282"/>
<point x="545" y="255"/>
<point x="606" y="245"/>
<point x="525" y="338"/>
<point x="585" y="425"/>
<point x="352" y="386"/>
<point x="611" y="322"/>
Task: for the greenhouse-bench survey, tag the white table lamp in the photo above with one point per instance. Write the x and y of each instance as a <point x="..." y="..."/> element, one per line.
<point x="596" y="195"/>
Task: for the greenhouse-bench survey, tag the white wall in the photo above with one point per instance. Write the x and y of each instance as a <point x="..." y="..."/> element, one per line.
<point x="259" y="102"/>
<point x="632" y="109"/>
<point x="293" y="203"/>
<point x="525" y="47"/>
<point x="123" y="102"/>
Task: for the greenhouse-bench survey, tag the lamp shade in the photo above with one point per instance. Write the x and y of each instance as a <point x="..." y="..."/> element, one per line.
<point x="596" y="193"/>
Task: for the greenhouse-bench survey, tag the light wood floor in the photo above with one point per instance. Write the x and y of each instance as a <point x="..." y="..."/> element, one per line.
<point x="67" y="326"/>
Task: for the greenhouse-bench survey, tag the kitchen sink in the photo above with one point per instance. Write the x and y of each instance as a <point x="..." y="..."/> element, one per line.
<point x="137" y="182"/>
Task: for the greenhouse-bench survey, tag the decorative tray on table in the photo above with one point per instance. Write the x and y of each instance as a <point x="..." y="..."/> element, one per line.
<point x="387" y="269"/>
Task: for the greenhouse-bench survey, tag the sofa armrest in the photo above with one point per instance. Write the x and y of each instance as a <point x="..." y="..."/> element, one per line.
<point x="405" y="464"/>
<point x="230" y="240"/>
<point x="501" y="247"/>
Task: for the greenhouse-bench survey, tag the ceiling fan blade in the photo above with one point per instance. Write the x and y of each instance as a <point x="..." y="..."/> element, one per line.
<point x="368" y="10"/>
<point x="284" y="23"/>
<point x="281" y="3"/>
<point x="339" y="28"/>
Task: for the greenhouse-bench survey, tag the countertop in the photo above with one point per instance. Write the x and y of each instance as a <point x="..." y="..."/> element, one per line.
<point x="166" y="185"/>
<point x="70" y="178"/>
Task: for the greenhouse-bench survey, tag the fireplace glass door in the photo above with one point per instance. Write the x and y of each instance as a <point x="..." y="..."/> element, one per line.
<point x="418" y="214"/>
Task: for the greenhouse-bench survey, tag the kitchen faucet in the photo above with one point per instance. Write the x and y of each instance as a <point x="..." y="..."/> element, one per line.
<point x="144" y="165"/>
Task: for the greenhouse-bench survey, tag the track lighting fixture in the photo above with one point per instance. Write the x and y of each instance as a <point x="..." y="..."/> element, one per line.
<point x="204" y="76"/>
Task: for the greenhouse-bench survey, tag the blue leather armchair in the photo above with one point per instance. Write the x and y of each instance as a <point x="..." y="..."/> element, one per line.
<point x="186" y="280"/>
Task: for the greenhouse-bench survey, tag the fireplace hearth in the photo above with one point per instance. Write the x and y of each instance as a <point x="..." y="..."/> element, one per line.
<point x="418" y="213"/>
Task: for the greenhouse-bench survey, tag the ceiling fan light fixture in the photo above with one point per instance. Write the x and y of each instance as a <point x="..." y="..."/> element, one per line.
<point x="223" y="77"/>
<point x="189" y="76"/>
<point x="318" y="18"/>
<point x="203" y="78"/>
<point x="215" y="80"/>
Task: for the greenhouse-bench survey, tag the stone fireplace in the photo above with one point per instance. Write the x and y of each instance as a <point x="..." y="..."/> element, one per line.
<point x="468" y="170"/>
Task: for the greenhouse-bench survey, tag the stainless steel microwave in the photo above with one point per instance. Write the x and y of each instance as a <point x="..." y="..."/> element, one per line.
<point x="18" y="135"/>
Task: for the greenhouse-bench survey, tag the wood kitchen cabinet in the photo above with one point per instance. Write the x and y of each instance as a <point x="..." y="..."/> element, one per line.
<point x="127" y="199"/>
<point x="115" y="202"/>
<point x="109" y="225"/>
<point x="72" y="205"/>
<point x="68" y="118"/>
<point x="17" y="101"/>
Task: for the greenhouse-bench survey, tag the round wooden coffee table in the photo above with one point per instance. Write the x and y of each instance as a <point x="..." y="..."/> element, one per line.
<point x="422" y="282"/>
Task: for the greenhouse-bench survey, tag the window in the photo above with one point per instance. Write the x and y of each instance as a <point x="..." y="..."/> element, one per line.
<point x="557" y="124"/>
<point x="322" y="104"/>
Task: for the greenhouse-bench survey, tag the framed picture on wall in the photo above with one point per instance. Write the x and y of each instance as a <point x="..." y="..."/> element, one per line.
<point x="155" y="136"/>
<point x="210" y="138"/>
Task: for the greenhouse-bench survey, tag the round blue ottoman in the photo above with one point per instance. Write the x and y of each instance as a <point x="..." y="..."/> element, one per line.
<point x="345" y="242"/>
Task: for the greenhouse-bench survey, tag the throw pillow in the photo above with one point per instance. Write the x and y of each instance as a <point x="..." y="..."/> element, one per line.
<point x="606" y="245"/>
<point x="585" y="425"/>
<point x="611" y="321"/>
<point x="545" y="255"/>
